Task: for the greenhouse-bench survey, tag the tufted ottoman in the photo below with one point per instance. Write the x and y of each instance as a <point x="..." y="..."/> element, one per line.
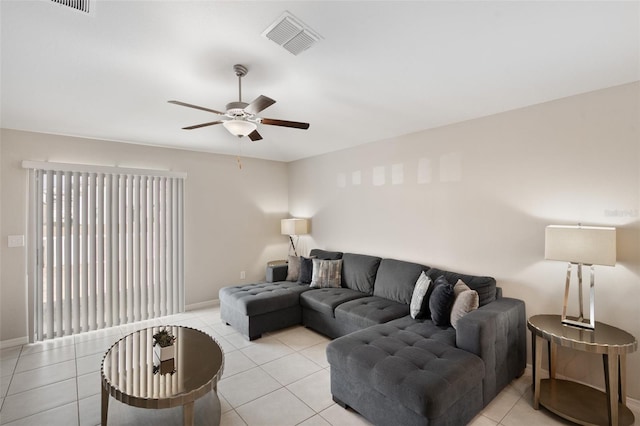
<point x="406" y="372"/>
<point x="254" y="309"/>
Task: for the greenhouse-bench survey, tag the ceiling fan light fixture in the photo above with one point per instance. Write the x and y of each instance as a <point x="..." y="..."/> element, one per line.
<point x="239" y="127"/>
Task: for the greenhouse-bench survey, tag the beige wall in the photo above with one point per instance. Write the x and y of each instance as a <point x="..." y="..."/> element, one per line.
<point x="232" y="216"/>
<point x="476" y="196"/>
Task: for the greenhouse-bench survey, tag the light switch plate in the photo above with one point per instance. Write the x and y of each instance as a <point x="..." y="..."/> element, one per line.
<point x="16" y="241"/>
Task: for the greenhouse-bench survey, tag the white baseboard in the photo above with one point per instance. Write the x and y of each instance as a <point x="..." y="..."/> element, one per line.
<point x="203" y="305"/>
<point x="633" y="404"/>
<point x="18" y="341"/>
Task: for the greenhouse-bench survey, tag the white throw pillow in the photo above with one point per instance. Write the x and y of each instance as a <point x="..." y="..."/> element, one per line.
<point x="419" y="293"/>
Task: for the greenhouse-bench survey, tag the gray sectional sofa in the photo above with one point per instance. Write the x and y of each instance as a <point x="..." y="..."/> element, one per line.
<point x="386" y="365"/>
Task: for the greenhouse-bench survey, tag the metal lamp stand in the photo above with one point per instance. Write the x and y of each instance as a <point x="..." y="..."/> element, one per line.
<point x="589" y="323"/>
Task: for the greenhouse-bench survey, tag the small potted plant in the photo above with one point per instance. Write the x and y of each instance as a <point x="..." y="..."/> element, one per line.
<point x="163" y="342"/>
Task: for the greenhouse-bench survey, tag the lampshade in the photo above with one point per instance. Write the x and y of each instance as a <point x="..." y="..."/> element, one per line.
<point x="589" y="245"/>
<point x="239" y="127"/>
<point x="294" y="226"/>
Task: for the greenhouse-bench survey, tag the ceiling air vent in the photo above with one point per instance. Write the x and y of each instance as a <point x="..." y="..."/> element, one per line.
<point x="290" y="33"/>
<point x="79" y="5"/>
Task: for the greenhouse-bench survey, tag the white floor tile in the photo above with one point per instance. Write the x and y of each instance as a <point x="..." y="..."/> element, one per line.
<point x="224" y="405"/>
<point x="89" y="384"/>
<point x="42" y="376"/>
<point x="266" y="349"/>
<point x="10" y="353"/>
<point x="523" y="413"/>
<point x="95" y="346"/>
<point x="47" y="345"/>
<point x="112" y="332"/>
<point x="236" y="362"/>
<point x="8" y="367"/>
<point x="299" y="338"/>
<point x="481" y="420"/>
<point x="337" y="415"/>
<point x="45" y="358"/>
<point x="231" y="418"/>
<point x="277" y="408"/>
<point x="64" y="415"/>
<point x="89" y="410"/>
<point x="38" y="400"/>
<point x="89" y="364"/>
<point x="502" y="404"/>
<point x="247" y="386"/>
<point x="290" y="368"/>
<point x="317" y="353"/>
<point x="314" y="390"/>
<point x="4" y="385"/>
<point x="316" y="420"/>
<point x="236" y="339"/>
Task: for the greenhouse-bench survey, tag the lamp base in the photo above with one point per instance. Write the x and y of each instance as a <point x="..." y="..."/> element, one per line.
<point x="580" y="321"/>
<point x="577" y="322"/>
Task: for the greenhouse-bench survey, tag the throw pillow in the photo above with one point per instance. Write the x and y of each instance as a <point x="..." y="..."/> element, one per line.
<point x="419" y="307"/>
<point x="466" y="300"/>
<point x="293" y="268"/>
<point x="306" y="269"/>
<point x="440" y="302"/>
<point x="326" y="273"/>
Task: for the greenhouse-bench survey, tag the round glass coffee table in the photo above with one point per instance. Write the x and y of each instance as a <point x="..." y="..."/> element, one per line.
<point x="133" y="374"/>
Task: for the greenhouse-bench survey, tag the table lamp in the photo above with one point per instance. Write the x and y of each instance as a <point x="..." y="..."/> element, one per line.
<point x="294" y="227"/>
<point x="580" y="245"/>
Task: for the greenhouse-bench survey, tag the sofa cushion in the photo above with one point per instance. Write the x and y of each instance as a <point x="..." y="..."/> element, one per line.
<point x="485" y="286"/>
<point x="325" y="300"/>
<point x="256" y="299"/>
<point x="326" y="273"/>
<point x="326" y="255"/>
<point x="359" y="271"/>
<point x="368" y="311"/>
<point x="412" y="363"/>
<point x="396" y="278"/>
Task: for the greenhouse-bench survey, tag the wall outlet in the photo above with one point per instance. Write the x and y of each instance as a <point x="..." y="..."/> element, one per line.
<point x="16" y="241"/>
<point x="243" y="275"/>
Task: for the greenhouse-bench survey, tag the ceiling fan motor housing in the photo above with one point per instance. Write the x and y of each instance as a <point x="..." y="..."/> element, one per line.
<point x="236" y="109"/>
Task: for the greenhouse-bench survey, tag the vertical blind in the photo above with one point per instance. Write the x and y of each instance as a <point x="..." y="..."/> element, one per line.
<point x="106" y="248"/>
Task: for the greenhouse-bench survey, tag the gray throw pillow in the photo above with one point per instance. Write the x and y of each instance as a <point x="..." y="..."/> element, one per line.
<point x="466" y="300"/>
<point x="326" y="273"/>
<point x="419" y="307"/>
<point x="293" y="268"/>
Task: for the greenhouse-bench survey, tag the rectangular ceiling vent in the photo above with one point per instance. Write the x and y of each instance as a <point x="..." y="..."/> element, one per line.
<point x="290" y="33"/>
<point x="84" y="6"/>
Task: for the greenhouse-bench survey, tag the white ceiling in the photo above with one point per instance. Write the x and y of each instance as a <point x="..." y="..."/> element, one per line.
<point x="383" y="69"/>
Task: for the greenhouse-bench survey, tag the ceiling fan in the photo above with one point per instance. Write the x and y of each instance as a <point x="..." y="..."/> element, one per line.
<point x="241" y="118"/>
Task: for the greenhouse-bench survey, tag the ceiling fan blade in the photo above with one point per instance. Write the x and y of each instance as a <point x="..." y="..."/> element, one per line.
<point x="196" y="107"/>
<point x="254" y="136"/>
<point x="197" y="126"/>
<point x="284" y="123"/>
<point x="260" y="103"/>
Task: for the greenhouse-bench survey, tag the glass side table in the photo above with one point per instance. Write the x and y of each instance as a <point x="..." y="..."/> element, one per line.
<point x="576" y="402"/>
<point x="132" y="373"/>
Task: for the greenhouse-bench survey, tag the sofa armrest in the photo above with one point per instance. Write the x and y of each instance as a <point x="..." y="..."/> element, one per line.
<point x="496" y="333"/>
<point x="276" y="273"/>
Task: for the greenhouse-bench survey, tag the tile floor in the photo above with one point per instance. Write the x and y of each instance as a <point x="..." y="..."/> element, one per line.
<point x="280" y="379"/>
